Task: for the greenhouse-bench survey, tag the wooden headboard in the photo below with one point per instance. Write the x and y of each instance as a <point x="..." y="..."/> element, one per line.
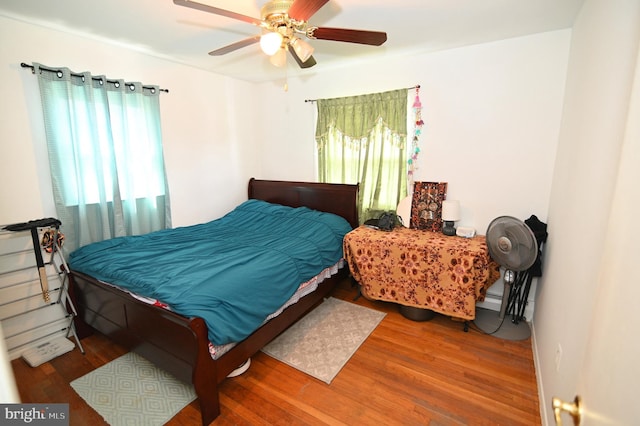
<point x="340" y="199"/>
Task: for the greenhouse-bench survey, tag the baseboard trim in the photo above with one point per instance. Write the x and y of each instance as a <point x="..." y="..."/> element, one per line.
<point x="494" y="302"/>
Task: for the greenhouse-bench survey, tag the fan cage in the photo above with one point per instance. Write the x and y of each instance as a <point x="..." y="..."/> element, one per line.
<point x="503" y="251"/>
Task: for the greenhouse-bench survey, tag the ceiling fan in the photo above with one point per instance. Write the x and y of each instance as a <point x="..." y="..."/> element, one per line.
<point x="283" y="23"/>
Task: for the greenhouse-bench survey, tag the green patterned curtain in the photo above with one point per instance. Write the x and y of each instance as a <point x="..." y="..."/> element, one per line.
<point x="362" y="139"/>
<point x="105" y="153"/>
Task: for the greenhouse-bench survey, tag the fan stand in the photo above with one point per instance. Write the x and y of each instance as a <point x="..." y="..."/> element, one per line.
<point x="496" y="324"/>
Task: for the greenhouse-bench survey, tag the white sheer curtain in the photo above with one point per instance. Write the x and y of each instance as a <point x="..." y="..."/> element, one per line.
<point x="105" y="153"/>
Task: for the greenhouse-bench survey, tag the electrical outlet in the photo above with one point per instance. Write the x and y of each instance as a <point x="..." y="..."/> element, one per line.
<point x="558" y="357"/>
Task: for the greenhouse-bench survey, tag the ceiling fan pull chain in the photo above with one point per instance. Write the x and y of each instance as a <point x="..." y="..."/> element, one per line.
<point x="286" y="79"/>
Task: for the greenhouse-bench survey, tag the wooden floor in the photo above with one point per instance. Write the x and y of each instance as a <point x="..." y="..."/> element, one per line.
<point x="405" y="373"/>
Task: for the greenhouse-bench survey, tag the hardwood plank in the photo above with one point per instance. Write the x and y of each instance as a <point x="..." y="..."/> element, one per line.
<point x="406" y="372"/>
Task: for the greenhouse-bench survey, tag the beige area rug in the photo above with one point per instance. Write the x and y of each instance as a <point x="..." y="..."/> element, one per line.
<point x="132" y="391"/>
<point x="322" y="342"/>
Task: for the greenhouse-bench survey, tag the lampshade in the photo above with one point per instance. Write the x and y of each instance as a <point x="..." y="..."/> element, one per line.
<point x="404" y="211"/>
<point x="451" y="210"/>
<point x="279" y="59"/>
<point x="270" y="42"/>
<point x="303" y="49"/>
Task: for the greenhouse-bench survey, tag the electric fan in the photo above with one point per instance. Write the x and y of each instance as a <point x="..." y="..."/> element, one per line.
<point x="513" y="246"/>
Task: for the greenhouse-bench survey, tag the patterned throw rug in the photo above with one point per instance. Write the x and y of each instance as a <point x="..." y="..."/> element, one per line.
<point x="322" y="342"/>
<point x="131" y="391"/>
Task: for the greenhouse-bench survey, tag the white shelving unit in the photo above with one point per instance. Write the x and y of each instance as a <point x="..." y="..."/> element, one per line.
<point x="37" y="324"/>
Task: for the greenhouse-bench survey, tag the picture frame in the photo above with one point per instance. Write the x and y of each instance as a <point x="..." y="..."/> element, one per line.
<point x="426" y="205"/>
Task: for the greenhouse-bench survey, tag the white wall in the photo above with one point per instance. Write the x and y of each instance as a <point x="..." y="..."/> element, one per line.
<point x="603" y="52"/>
<point x="492" y="116"/>
<point x="209" y="148"/>
<point x="608" y="375"/>
<point x="8" y="389"/>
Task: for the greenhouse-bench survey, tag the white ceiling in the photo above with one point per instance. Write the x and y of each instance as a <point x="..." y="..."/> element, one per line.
<point x="184" y="35"/>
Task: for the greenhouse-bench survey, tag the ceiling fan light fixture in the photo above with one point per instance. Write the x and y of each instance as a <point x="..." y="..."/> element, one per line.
<point x="270" y="42"/>
<point x="279" y="59"/>
<point x="303" y="49"/>
<point x="281" y="21"/>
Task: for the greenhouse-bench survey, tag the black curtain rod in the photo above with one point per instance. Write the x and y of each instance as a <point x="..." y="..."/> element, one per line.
<point x="417" y="86"/>
<point x="33" y="70"/>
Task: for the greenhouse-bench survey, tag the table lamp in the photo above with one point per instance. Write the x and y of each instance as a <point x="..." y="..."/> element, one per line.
<point x="450" y="213"/>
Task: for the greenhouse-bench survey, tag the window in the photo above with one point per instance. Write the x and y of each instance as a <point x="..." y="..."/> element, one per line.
<point x="105" y="153"/>
<point x="363" y="139"/>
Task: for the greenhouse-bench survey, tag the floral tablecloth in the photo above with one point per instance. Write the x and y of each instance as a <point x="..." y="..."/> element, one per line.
<point x="423" y="269"/>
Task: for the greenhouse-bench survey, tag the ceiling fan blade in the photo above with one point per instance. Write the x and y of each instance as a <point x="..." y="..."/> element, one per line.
<point x="302" y="10"/>
<point x="374" y="38"/>
<point x="217" y="11"/>
<point x="235" y="46"/>
<point x="306" y="64"/>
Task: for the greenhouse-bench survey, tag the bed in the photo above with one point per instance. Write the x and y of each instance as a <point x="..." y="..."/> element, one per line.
<point x="181" y="345"/>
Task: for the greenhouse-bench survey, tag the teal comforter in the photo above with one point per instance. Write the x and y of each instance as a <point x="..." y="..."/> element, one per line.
<point x="232" y="272"/>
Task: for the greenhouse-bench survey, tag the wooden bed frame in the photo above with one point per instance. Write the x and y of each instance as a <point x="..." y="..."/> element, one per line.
<point x="179" y="345"/>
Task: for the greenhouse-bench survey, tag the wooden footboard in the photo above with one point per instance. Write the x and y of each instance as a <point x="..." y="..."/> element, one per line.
<point x="177" y="344"/>
<point x="180" y="345"/>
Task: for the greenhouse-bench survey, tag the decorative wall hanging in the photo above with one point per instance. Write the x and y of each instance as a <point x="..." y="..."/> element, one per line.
<point x="426" y="205"/>
<point x="417" y="130"/>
